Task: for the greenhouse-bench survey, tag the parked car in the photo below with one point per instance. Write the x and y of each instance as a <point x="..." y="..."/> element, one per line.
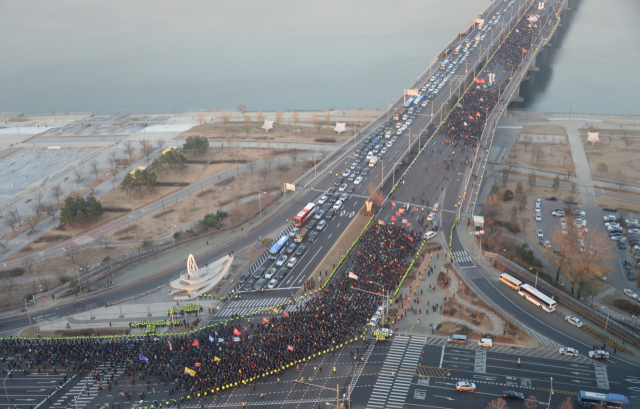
<point x="243" y="278"/>
<point x="248" y="285"/>
<point x="538" y="217"/>
<point x="571" y="201"/>
<point x="281" y="273"/>
<point x="628" y="265"/>
<point x="610" y="209"/>
<point x="610" y="218"/>
<point x="272" y="283"/>
<point x="630" y="293"/>
<point x="258" y="273"/>
<point x="293" y="232"/>
<point x="552" y="198"/>
<point x="540" y="234"/>
<point x="632" y="275"/>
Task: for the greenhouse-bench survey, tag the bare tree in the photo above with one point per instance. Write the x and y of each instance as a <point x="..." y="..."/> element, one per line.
<point x="51" y="211"/>
<point x="295" y="117"/>
<point x="237" y="212"/>
<point x="3" y="244"/>
<point x="147" y="147"/>
<point x="241" y="107"/>
<point x="627" y="141"/>
<point x="317" y="123"/>
<point x="492" y="206"/>
<point x="602" y="167"/>
<point x="95" y="169"/>
<point x="200" y="118"/>
<point x="524" y="221"/>
<point x="11" y="221"/>
<point x="279" y="115"/>
<point x="531" y="403"/>
<point x="293" y="154"/>
<point x="37" y="205"/>
<point x="570" y="167"/>
<point x="327" y="118"/>
<point x="31" y="223"/>
<point x="251" y="165"/>
<point x="497" y="404"/>
<point x="375" y="195"/>
<point x="268" y="161"/>
<point x="538" y="153"/>
<point x="56" y="191"/>
<point x="260" y="117"/>
<point x="77" y="171"/>
<point x="8" y="287"/>
<point x="526" y="141"/>
<point x="566" y="404"/>
<point x="621" y="179"/>
<point x="224" y="118"/>
<point x="28" y="262"/>
<point x="128" y="149"/>
<point x="264" y="172"/>
<point x="282" y="168"/>
<point x="248" y="124"/>
<point x="160" y="143"/>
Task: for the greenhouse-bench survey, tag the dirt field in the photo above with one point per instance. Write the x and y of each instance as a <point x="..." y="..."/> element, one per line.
<point x="553" y="158"/>
<point x="287" y="132"/>
<point x="208" y="201"/>
<point x="617" y="156"/>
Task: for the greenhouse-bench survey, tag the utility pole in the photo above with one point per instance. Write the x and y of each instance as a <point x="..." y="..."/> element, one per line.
<point x="5" y="386"/>
<point x="173" y="237"/>
<point x="78" y="269"/>
<point x="26" y="307"/>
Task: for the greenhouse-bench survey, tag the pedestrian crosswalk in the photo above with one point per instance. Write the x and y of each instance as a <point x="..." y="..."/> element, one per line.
<point x="86" y="390"/>
<point x="245" y="307"/>
<point x="12" y="332"/>
<point x="461" y="257"/>
<point x="395" y="377"/>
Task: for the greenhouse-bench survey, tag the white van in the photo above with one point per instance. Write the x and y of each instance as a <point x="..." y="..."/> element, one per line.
<point x="373" y="161"/>
<point x="436" y="207"/>
<point x="457" y="339"/>
<point x="485" y="342"/>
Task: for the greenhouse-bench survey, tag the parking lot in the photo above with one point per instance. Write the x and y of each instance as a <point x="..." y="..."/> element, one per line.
<point x="29" y="166"/>
<point x="594" y="216"/>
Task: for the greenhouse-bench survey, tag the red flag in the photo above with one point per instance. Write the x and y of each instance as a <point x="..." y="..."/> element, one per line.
<point x="286" y="314"/>
<point x="415" y="208"/>
<point x="524" y="50"/>
<point x="198" y="364"/>
<point x="470" y="117"/>
<point x="236" y="332"/>
<point x="393" y="204"/>
<point x="196" y="343"/>
<point x="409" y="224"/>
<point x="393" y="218"/>
<point x="477" y="113"/>
<point x="265" y="320"/>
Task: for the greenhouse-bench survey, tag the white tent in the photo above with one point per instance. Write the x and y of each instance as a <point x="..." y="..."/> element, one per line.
<point x="267" y="125"/>
<point x="592" y="137"/>
<point x="340" y="127"/>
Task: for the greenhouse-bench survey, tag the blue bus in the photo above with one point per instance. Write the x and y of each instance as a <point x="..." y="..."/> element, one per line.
<point x="279" y="247"/>
<point x="418" y="100"/>
<point x="608" y="400"/>
<point x="444" y="64"/>
<point x="408" y="102"/>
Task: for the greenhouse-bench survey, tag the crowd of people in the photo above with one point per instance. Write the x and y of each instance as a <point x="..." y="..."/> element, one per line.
<point x="467" y="119"/>
<point x="238" y="352"/>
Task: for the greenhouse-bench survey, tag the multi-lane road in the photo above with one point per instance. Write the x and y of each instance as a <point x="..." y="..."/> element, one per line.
<point x="406" y="371"/>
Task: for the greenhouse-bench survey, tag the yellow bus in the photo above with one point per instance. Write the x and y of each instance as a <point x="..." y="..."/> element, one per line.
<point x="169" y="149"/>
<point x="133" y="172"/>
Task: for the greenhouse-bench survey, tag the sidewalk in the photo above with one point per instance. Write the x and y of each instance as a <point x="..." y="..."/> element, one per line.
<point x="416" y="322"/>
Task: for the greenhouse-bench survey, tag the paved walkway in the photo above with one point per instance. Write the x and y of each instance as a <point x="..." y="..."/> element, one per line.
<point x="583" y="171"/>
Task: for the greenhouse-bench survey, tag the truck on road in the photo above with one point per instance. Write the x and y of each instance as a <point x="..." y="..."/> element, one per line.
<point x="300" y="235"/>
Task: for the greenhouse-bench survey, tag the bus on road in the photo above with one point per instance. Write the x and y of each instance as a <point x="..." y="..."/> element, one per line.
<point x="607" y="400"/>
<point x="408" y="102"/>
<point x="418" y="100"/>
<point x="443" y="65"/>
<point x="279" y="247"/>
<point x="538" y="298"/>
<point x="304" y="214"/>
<point x="457" y="50"/>
<point x="511" y="281"/>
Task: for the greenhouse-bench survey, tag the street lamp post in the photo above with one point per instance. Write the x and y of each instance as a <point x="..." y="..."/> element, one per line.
<point x="5" y="386"/>
<point x="550" y="392"/>
<point x="78" y="270"/>
<point x="389" y="108"/>
<point x="385" y="298"/>
<point x="259" y="201"/>
<point x="607" y="323"/>
<point x="337" y="389"/>
<point x="173" y="237"/>
<point x="536" y="284"/>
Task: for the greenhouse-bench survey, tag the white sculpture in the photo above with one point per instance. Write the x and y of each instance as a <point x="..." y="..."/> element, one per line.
<point x="593" y="137"/>
<point x="267" y="125"/>
<point x="340" y="127"/>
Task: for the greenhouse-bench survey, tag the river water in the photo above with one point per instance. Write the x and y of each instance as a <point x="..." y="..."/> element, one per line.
<point x="593" y="63"/>
<point x="106" y="56"/>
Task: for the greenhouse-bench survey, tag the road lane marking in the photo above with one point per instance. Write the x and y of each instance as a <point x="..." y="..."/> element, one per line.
<point x="442" y="356"/>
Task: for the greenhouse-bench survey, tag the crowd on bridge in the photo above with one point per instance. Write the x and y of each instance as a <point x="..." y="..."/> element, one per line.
<point x="237" y="352"/>
<point x="467" y="119"/>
